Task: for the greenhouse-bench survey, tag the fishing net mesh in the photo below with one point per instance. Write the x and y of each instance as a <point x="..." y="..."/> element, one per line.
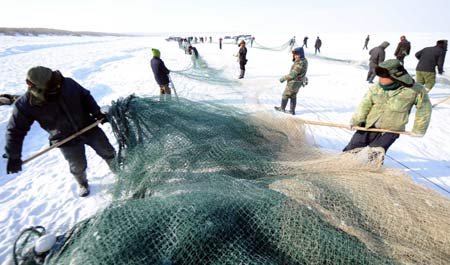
<point x="204" y="184"/>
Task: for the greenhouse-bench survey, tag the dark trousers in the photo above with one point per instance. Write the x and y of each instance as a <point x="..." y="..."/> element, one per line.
<point x="372" y="139"/>
<point x="371" y="74"/>
<point x="75" y="152"/>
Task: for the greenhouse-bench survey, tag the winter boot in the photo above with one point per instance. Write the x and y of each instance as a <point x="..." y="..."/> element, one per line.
<point x="242" y="74"/>
<point x="283" y="105"/>
<point x="83" y="190"/>
<point x="293" y="104"/>
<point x="83" y="185"/>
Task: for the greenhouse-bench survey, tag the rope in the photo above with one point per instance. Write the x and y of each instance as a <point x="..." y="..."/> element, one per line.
<point x="31" y="230"/>
<point x="393" y="159"/>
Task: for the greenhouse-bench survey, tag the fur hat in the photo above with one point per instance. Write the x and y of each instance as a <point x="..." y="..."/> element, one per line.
<point x="394" y="69"/>
<point x="39" y="76"/>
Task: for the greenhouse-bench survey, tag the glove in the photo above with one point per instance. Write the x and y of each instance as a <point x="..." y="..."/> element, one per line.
<point x="14" y="165"/>
<point x="101" y="116"/>
<point x="282" y="79"/>
<point x="359" y="124"/>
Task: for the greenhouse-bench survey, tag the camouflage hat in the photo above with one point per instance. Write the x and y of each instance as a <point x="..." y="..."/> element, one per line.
<point x="394" y="69"/>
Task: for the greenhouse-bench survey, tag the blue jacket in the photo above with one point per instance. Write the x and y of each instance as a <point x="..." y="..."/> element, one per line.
<point x="62" y="115"/>
<point x="160" y="71"/>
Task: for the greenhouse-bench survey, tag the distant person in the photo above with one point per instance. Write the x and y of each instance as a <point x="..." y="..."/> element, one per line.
<point x="62" y="107"/>
<point x="161" y="74"/>
<point x="429" y="58"/>
<point x="317" y="45"/>
<point x="242" y="58"/>
<point x="251" y="41"/>
<point x="193" y="51"/>
<point x="7" y="99"/>
<point x="291" y="43"/>
<point x="295" y="79"/>
<point x="220" y="43"/>
<point x="377" y="56"/>
<point x="305" y="42"/>
<point x="403" y="49"/>
<point x="387" y="105"/>
<point x="366" y="42"/>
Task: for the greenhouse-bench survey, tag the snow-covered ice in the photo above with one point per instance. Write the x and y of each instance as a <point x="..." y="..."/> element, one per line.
<point x="45" y="193"/>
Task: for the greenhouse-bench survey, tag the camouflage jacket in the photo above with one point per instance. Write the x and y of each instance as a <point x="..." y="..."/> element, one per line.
<point x="297" y="76"/>
<point x="390" y="109"/>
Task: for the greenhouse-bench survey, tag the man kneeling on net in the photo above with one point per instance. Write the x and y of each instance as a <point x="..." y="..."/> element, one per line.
<point x="387" y="105"/>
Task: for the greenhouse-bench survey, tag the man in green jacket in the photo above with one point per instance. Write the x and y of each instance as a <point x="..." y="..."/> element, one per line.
<point x="295" y="79"/>
<point x="387" y="105"/>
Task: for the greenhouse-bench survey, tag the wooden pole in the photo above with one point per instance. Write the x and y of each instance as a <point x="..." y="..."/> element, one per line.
<point x="357" y="128"/>
<point x="441" y="101"/>
<point x="62" y="141"/>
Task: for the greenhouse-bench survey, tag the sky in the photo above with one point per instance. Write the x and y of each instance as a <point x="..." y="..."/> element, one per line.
<point x="229" y="16"/>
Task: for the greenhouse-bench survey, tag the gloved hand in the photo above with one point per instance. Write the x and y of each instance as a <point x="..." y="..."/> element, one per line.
<point x="359" y="124"/>
<point x="14" y="165"/>
<point x="282" y="79"/>
<point x="100" y="116"/>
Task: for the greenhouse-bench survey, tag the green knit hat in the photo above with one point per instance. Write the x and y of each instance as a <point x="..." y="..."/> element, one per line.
<point x="156" y="52"/>
<point x="394" y="69"/>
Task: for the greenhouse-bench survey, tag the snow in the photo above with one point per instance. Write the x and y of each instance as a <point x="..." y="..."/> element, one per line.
<point x="45" y="193"/>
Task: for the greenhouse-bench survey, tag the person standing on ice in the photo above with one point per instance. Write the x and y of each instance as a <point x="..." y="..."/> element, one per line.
<point x="317" y="45"/>
<point x="403" y="49"/>
<point x="291" y="43"/>
<point x="429" y="58"/>
<point x="377" y="56"/>
<point x="305" y="42"/>
<point x="161" y="74"/>
<point x="220" y="43"/>
<point x="242" y="58"/>
<point x="295" y="79"/>
<point x="366" y="42"/>
<point x="387" y="105"/>
<point x="62" y="107"/>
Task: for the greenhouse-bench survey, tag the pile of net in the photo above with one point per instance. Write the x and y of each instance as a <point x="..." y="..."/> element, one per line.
<point x="204" y="184"/>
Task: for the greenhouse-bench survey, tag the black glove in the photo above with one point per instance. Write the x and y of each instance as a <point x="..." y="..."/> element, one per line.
<point x="101" y="116"/>
<point x="14" y="165"/>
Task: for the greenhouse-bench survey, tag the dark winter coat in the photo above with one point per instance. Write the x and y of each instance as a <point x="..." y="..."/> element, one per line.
<point x="403" y="48"/>
<point x="429" y="58"/>
<point x="242" y="55"/>
<point x="62" y="115"/>
<point x="377" y="54"/>
<point x="160" y="71"/>
<point x="318" y="43"/>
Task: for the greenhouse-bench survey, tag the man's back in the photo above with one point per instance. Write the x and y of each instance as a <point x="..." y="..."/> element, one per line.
<point x="429" y="58"/>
